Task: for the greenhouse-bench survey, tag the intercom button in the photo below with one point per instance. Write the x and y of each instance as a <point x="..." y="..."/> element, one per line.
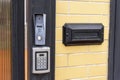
<point x="41" y="61"/>
<point x="44" y="67"/>
<point x="39" y="38"/>
<point x="44" y="61"/>
<point x="44" y="58"/>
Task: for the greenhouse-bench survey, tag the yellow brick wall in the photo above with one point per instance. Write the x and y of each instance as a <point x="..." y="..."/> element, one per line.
<point x="88" y="62"/>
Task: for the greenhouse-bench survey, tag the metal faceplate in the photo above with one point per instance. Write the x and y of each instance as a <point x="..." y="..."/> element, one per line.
<point x="41" y="60"/>
<point x="40" y="29"/>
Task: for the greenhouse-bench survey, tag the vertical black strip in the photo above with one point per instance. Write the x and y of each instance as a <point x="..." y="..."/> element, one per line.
<point x="17" y="23"/>
<point x="117" y="42"/>
<point x="53" y="17"/>
<point x="112" y="39"/>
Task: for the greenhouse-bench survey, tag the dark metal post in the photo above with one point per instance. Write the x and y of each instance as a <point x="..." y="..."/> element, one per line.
<point x="39" y="7"/>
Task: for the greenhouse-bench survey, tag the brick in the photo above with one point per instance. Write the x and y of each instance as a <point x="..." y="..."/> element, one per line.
<point x="89" y="58"/>
<point x="61" y="60"/>
<point x="77" y="79"/>
<point x="88" y="8"/>
<point x="91" y="0"/>
<point x="62" y="7"/>
<point x="99" y="48"/>
<point x="98" y="78"/>
<point x="106" y="33"/>
<point x="62" y="19"/>
<point x="58" y="33"/>
<point x="100" y="70"/>
<point x="77" y="72"/>
<point x="70" y="72"/>
<point x="60" y="73"/>
<point x="60" y="48"/>
<point x="97" y="0"/>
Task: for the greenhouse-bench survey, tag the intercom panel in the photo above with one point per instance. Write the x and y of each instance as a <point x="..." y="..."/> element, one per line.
<point x="41" y="39"/>
<point x="41" y="60"/>
<point x="40" y="28"/>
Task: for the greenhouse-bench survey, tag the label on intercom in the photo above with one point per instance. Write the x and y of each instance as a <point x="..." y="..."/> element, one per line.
<point x="41" y="60"/>
<point x="40" y="28"/>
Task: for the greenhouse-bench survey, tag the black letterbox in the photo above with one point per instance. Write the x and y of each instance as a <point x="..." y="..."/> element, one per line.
<point x="76" y="34"/>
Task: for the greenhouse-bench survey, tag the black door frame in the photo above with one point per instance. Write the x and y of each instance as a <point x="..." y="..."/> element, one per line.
<point x="113" y="40"/>
<point x="17" y="24"/>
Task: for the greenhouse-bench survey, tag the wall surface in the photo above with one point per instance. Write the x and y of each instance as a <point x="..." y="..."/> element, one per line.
<point x="88" y="62"/>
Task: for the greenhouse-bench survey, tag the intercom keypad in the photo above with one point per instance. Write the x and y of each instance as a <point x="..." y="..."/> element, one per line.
<point x="41" y="60"/>
<point x="41" y="63"/>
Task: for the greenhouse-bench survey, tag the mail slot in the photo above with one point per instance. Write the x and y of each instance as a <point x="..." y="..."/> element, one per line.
<point x="76" y="34"/>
